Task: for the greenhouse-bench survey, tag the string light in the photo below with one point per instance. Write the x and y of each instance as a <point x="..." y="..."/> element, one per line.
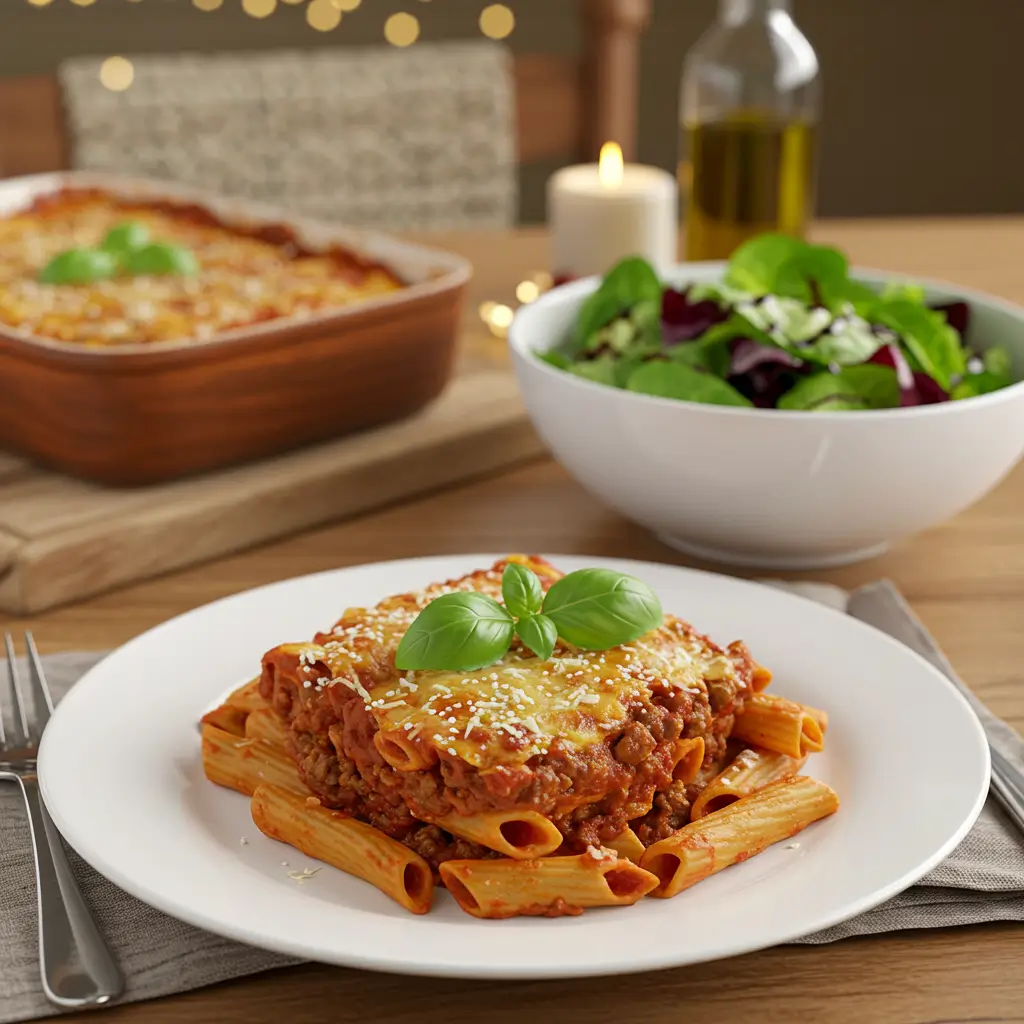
<point x="497" y="21"/>
<point x="498" y="317"/>
<point x="259" y="8"/>
<point x="402" y="29"/>
<point x="323" y="15"/>
<point x="117" y="73"/>
<point x="527" y="291"/>
<point x="208" y="5"/>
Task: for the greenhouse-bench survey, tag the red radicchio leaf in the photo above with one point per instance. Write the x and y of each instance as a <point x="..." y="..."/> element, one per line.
<point x="763" y="373"/>
<point x="915" y="388"/>
<point x="683" y="320"/>
<point x="748" y="354"/>
<point x="958" y="316"/>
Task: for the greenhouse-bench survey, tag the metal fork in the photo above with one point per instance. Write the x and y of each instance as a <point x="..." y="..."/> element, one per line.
<point x="76" y="965"/>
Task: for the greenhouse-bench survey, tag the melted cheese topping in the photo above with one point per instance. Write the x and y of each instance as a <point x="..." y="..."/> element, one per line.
<point x="513" y="710"/>
<point x="242" y="280"/>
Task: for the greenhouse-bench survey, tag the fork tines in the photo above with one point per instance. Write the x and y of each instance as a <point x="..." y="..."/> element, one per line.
<point x="27" y="719"/>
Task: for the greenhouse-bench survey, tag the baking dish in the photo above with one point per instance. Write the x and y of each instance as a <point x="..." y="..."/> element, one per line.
<point x="141" y="413"/>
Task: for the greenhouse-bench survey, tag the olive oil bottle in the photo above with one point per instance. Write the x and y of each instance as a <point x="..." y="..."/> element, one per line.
<point x="749" y="110"/>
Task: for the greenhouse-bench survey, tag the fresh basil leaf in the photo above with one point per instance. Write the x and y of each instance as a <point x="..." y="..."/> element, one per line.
<point x="995" y="374"/>
<point x="617" y="335"/>
<point x="719" y="292"/>
<point x="457" y="632"/>
<point x="925" y="334"/>
<point x="646" y="314"/>
<point x="903" y="291"/>
<point x="126" y="237"/>
<point x="600" y="370"/>
<point x="555" y="358"/>
<point x="773" y="264"/>
<point x="975" y="384"/>
<point x="159" y="259"/>
<point x="675" y="380"/>
<point x="755" y="266"/>
<point x="630" y="282"/>
<point x="996" y="361"/>
<point x="856" y="387"/>
<point x="538" y="633"/>
<point x="597" y="609"/>
<point x="845" y="297"/>
<point x="692" y="353"/>
<point x="625" y="367"/>
<point x="521" y="590"/>
<point x="79" y="266"/>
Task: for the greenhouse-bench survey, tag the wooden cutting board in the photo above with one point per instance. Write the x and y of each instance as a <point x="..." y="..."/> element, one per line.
<point x="63" y="539"/>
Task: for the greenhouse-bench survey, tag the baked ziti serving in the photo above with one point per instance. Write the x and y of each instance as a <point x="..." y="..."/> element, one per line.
<point x="561" y="771"/>
<point x="87" y="267"/>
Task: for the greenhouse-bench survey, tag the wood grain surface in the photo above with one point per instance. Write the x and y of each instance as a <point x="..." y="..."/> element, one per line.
<point x="965" y="579"/>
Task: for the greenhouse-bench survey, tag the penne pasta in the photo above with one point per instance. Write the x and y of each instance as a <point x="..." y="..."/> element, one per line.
<point x="265" y="724"/>
<point x="547" y="886"/>
<point x="244" y="764"/>
<point x="821" y="717"/>
<point x="344" y="843"/>
<point x="752" y="770"/>
<point x="761" y="678"/>
<point x="627" y="845"/>
<point x="741" y="830"/>
<point x="784" y="726"/>
<point x="227" y="717"/>
<point x="689" y="756"/>
<point x="521" y="835"/>
<point x="247" y="697"/>
<point x="404" y="754"/>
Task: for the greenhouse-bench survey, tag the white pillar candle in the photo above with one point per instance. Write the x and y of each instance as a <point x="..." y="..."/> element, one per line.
<point x="601" y="212"/>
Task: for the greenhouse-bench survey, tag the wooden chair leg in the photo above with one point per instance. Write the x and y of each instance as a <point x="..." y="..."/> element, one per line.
<point x="611" y="69"/>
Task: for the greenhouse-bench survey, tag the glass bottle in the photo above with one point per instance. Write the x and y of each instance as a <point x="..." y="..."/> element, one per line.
<point x="748" y="111"/>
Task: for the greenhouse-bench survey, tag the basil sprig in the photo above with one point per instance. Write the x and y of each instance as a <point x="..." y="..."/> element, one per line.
<point x="595" y="609"/>
<point x="126" y="249"/>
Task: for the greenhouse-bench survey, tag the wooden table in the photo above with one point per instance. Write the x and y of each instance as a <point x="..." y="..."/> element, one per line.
<point x="965" y="578"/>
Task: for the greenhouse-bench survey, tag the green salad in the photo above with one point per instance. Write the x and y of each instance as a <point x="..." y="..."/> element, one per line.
<point x="786" y="328"/>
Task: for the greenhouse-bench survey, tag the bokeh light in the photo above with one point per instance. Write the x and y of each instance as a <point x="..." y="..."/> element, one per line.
<point x="402" y="29"/>
<point x="117" y="73"/>
<point x="83" y="3"/>
<point x="527" y="291"/>
<point x="259" y="8"/>
<point x="323" y="15"/>
<point x="497" y="21"/>
<point x="346" y="5"/>
<point x="208" y="5"/>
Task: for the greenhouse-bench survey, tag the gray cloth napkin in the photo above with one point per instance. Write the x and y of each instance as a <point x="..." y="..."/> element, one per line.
<point x="982" y="880"/>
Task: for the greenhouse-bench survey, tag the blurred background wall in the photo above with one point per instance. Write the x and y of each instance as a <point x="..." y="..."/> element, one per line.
<point x="921" y="96"/>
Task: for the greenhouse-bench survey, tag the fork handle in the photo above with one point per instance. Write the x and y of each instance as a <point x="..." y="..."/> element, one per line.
<point x="77" y="968"/>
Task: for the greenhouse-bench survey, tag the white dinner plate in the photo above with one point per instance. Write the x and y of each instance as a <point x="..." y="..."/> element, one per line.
<point x="121" y="775"/>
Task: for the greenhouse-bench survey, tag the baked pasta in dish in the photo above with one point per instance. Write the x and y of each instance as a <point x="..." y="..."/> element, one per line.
<point x="239" y="276"/>
<point x="533" y="786"/>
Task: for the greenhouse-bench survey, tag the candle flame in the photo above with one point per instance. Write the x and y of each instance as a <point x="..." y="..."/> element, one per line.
<point x="609" y="165"/>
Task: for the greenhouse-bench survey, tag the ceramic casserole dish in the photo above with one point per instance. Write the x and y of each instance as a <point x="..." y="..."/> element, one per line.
<point x="143" y="411"/>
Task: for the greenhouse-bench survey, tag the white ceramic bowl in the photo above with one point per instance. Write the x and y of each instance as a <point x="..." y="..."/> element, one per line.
<point x="769" y="488"/>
